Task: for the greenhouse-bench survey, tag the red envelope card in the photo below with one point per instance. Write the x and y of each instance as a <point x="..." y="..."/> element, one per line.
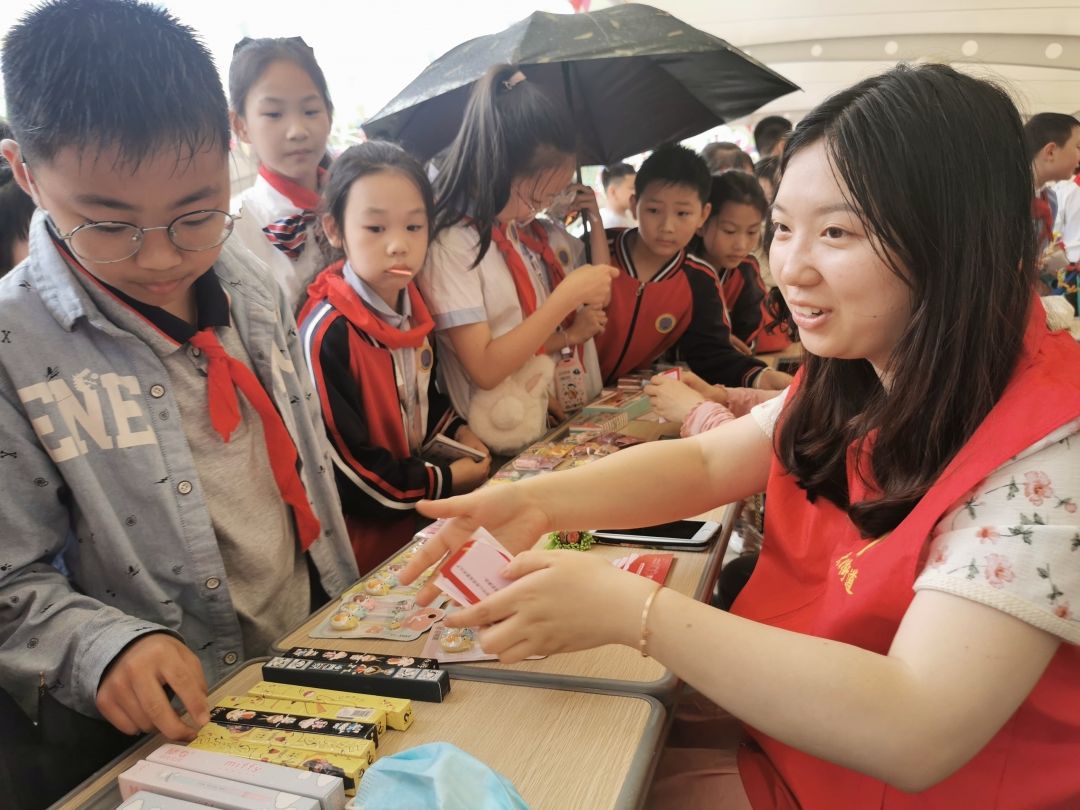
<point x="474" y="571"/>
<point x="652" y="566"/>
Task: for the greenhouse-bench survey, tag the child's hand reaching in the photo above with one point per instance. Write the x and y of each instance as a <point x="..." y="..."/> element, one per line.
<point x="589" y="285"/>
<point x="465" y="435"/>
<point x="588" y="322"/>
<point x="585" y="203"/>
<point x="468" y="474"/>
<point x="672" y="399"/>
<point x="132" y="697"/>
<point x="713" y="393"/>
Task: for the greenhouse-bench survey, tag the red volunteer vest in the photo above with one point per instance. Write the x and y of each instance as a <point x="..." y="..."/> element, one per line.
<point x="817" y="576"/>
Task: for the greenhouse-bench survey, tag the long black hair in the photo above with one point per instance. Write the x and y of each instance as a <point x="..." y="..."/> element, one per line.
<point x="511" y="129"/>
<point x="955" y="226"/>
<point x="251" y="58"/>
<point x="360" y="161"/>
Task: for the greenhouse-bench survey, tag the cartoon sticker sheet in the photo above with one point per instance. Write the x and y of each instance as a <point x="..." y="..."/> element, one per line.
<point x="379" y="606"/>
<point x="458" y="645"/>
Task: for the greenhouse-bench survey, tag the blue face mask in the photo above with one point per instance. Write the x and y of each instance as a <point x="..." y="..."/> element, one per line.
<point x="435" y="775"/>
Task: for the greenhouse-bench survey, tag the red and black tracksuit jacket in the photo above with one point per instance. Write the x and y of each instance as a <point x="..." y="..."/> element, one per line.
<point x="745" y="294"/>
<point x="680" y="310"/>
<point x="378" y="478"/>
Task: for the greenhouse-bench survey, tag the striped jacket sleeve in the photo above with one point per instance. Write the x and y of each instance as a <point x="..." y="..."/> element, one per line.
<point x="372" y="481"/>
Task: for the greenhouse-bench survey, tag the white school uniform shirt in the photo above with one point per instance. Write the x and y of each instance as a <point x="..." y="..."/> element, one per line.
<point x="613" y="219"/>
<point x="259" y="206"/>
<point x="1068" y="217"/>
<point x="458" y="294"/>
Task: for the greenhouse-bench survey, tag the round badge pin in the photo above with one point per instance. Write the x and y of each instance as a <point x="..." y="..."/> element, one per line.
<point x="665" y="323"/>
<point x="426" y="359"/>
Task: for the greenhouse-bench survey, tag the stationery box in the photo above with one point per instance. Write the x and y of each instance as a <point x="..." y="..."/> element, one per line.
<point x="630" y="403"/>
<point x="179" y="783"/>
<point x="398" y="711"/>
<point x="229" y="716"/>
<point x="304" y="711"/>
<point x="598" y="423"/>
<point x="316" y="764"/>
<point x="327" y="789"/>
<point x="142" y="800"/>
<point x="413" y="682"/>
<point x="370" y="660"/>
<point x="300" y="740"/>
<point x="312" y="707"/>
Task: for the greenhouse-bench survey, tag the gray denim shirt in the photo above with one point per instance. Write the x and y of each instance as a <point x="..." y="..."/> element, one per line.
<point x="82" y="445"/>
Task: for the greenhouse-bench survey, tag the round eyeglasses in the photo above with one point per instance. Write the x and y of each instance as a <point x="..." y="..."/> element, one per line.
<point x="108" y="242"/>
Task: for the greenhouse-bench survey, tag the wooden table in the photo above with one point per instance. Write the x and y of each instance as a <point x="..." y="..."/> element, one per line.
<point x="560" y="749"/>
<point x="795" y="350"/>
<point x="610" y="668"/>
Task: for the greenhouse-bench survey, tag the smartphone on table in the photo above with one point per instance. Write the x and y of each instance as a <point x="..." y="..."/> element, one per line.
<point x="680" y="535"/>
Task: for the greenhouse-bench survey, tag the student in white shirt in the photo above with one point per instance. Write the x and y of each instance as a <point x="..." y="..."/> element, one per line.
<point x="497" y="280"/>
<point x="618" y="183"/>
<point x="279" y="103"/>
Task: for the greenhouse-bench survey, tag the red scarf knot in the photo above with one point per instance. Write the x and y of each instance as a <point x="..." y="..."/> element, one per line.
<point x="225" y="374"/>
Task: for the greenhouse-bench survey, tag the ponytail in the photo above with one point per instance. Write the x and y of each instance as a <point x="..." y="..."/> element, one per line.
<point x="510" y="129"/>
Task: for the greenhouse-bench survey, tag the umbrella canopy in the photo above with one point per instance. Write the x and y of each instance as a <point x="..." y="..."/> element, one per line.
<point x="633" y="77"/>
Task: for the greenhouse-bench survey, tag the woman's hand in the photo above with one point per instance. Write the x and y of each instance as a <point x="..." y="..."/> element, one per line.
<point x="515" y="519"/>
<point x="672" y="399"/>
<point x="562" y="601"/>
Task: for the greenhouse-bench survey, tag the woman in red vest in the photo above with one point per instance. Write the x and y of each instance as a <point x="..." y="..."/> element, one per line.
<point x="910" y="636"/>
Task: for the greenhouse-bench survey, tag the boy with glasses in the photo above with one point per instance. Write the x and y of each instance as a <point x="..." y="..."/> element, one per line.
<point x="169" y="508"/>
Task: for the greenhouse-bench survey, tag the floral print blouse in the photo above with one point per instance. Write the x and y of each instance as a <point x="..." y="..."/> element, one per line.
<point x="1013" y="543"/>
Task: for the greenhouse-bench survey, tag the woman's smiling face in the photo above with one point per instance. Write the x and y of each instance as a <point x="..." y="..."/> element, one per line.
<point x="846" y="300"/>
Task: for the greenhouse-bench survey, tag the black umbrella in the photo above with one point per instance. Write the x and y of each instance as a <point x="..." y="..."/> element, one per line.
<point x="633" y="76"/>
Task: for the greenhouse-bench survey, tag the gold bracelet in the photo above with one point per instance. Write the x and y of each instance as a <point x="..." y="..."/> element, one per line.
<point x="643" y="641"/>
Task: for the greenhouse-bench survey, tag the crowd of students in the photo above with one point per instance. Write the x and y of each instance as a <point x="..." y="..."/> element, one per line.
<point x="216" y="412"/>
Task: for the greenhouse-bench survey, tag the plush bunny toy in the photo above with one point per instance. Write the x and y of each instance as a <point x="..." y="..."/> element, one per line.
<point x="514" y="412"/>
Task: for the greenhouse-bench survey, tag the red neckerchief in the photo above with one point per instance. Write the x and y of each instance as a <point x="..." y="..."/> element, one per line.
<point x="1040" y="210"/>
<point x="331" y="285"/>
<point x="303" y="198"/>
<point x="535" y="238"/>
<point x="224" y="374"/>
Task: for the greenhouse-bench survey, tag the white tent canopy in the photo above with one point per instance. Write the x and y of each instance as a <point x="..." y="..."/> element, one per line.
<point x="1032" y="48"/>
